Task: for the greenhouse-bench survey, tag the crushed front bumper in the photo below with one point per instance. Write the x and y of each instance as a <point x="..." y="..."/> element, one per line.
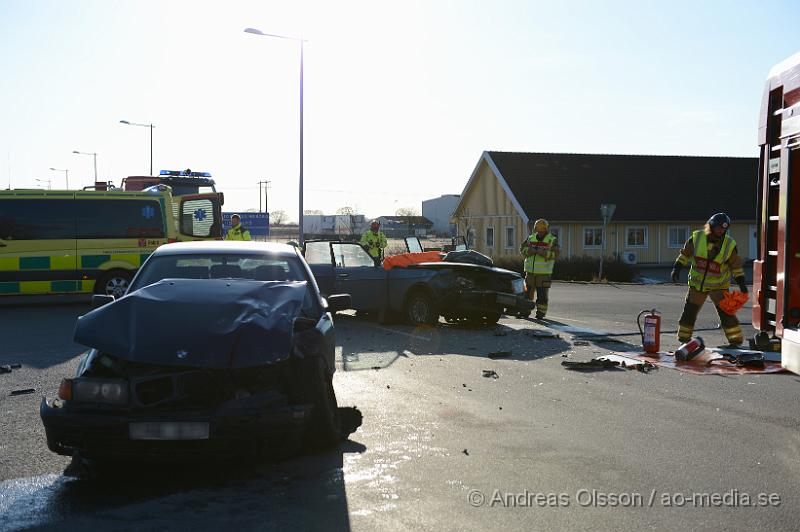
<point x="251" y="427"/>
<point x="482" y="300"/>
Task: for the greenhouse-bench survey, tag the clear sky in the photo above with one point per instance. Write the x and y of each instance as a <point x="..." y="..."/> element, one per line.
<point x="401" y="98"/>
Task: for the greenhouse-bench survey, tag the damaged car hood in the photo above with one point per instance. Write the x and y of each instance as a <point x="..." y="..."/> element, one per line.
<point x="210" y="323"/>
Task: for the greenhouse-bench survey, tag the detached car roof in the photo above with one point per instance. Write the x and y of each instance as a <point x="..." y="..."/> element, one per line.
<point x="227" y="246"/>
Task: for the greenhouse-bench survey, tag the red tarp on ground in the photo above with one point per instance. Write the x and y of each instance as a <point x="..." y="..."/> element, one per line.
<point x="406" y="259"/>
<point x="699" y="364"/>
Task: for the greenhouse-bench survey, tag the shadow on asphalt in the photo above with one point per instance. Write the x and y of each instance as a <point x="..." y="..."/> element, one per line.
<point x="303" y="493"/>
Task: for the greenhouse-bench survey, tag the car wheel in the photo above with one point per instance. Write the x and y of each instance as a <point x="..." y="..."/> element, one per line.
<point x="420" y="310"/>
<point x="113" y="283"/>
<point x="316" y="386"/>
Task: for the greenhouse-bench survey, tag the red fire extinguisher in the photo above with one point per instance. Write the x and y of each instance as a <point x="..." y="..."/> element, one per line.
<point x="651" y="334"/>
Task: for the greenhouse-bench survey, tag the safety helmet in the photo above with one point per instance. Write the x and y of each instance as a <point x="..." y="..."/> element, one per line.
<point x="720" y="220"/>
<point x="541" y="225"/>
<point x="374" y="224"/>
<point x="235" y="216"/>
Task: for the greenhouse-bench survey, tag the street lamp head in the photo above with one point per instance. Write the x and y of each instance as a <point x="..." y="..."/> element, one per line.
<point x="124" y="122"/>
<point x="76" y="151"/>
<point x="254" y="31"/>
<point x="51" y="168"/>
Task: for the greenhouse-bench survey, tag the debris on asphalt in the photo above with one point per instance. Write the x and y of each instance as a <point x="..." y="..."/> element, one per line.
<point x="580" y="342"/>
<point x="564" y="355"/>
<point x="591" y="365"/>
<point x="610" y="362"/>
<point x="490" y="373"/>
<point x="539" y="334"/>
<point x="500" y="408"/>
<point x="465" y="452"/>
<point x="6" y="368"/>
<point x="23" y="391"/>
<point x="499" y="354"/>
<point x="376" y="367"/>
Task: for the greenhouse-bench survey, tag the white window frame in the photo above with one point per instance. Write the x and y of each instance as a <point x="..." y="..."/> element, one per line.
<point x="636" y="246"/>
<point x="679" y="245"/>
<point x="489" y="229"/>
<point x="513" y="243"/>
<point x="556" y="229"/>
<point x="594" y="228"/>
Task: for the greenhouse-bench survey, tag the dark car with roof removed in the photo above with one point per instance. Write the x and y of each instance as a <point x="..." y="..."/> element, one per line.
<point x="215" y="347"/>
<point x="462" y="286"/>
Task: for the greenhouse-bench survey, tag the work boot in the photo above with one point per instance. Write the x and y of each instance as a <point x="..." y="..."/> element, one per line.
<point x="539" y="315"/>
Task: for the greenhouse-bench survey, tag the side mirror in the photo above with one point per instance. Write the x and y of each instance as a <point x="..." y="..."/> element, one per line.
<point x="338" y="302"/>
<point x="99" y="300"/>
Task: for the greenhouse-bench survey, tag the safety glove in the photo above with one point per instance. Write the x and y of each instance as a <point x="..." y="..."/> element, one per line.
<point x="740" y="280"/>
<point x="676" y="272"/>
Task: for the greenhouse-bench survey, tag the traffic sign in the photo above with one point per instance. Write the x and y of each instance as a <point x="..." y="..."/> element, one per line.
<point x="255" y="222"/>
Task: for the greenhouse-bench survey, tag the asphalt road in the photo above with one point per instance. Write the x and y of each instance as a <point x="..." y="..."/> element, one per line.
<point x="443" y="447"/>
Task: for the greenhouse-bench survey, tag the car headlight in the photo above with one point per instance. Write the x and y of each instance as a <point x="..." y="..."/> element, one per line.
<point x="113" y="392"/>
<point x="518" y="286"/>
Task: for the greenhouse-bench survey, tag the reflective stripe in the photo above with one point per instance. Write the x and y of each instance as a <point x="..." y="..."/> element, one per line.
<point x="9" y="264"/>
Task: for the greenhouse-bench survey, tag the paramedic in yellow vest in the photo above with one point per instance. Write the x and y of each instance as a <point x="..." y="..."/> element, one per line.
<point x="713" y="257"/>
<point x="540" y="251"/>
<point x="237" y="232"/>
<point x="374" y="240"/>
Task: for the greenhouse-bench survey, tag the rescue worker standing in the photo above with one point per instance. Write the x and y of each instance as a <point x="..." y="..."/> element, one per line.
<point x="713" y="257"/>
<point x="540" y="250"/>
<point x="237" y="232"/>
<point x="374" y="240"/>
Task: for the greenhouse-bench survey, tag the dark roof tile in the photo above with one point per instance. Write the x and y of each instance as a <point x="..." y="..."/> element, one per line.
<point x="571" y="186"/>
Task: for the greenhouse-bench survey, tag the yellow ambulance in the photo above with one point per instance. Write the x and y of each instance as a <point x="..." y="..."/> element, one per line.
<point x="68" y="241"/>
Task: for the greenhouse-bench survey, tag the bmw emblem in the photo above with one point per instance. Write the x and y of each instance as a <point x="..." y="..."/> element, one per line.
<point x="182" y="353"/>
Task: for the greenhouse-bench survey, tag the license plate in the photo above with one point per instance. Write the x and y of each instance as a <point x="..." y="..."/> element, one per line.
<point x="169" y="430"/>
<point x="506" y="299"/>
<point x="518" y="285"/>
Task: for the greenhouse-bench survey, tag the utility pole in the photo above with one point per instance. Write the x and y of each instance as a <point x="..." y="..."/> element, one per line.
<point x="266" y="195"/>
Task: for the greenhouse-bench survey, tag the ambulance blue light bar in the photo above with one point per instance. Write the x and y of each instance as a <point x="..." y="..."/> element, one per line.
<point x="184" y="173"/>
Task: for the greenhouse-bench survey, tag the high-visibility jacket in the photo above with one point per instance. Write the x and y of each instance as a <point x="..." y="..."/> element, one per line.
<point x="712" y="273"/>
<point x="374" y="242"/>
<point x="538" y="264"/>
<point x="237" y="232"/>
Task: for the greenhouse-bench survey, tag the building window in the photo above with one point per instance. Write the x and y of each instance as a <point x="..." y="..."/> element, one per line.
<point x="511" y="237"/>
<point x="636" y="237"/>
<point x="592" y="237"/>
<point x="677" y="235"/>
<point x="490" y="237"/>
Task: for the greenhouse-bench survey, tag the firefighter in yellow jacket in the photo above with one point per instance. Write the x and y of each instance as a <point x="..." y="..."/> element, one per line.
<point x="540" y="251"/>
<point x="713" y="257"/>
<point x="374" y="240"/>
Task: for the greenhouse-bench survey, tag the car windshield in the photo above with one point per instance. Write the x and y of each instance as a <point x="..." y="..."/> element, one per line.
<point x="259" y="267"/>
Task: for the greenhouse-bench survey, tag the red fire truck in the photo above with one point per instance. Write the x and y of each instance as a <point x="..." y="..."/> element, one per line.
<point x="776" y="272"/>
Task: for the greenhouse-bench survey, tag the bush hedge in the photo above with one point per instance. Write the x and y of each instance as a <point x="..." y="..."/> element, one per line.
<point x="582" y="268"/>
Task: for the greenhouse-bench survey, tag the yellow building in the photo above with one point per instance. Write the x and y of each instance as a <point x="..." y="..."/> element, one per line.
<point x="659" y="201"/>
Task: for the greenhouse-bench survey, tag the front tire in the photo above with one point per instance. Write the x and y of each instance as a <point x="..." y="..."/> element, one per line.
<point x="113" y="283"/>
<point x="316" y="388"/>
<point x="419" y="309"/>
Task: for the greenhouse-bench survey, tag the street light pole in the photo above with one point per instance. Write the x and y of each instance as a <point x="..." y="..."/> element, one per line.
<point x="66" y="176"/>
<point x="151" y="126"/>
<point x="45" y="181"/>
<point x="95" y="161"/>
<point x="301" y="41"/>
